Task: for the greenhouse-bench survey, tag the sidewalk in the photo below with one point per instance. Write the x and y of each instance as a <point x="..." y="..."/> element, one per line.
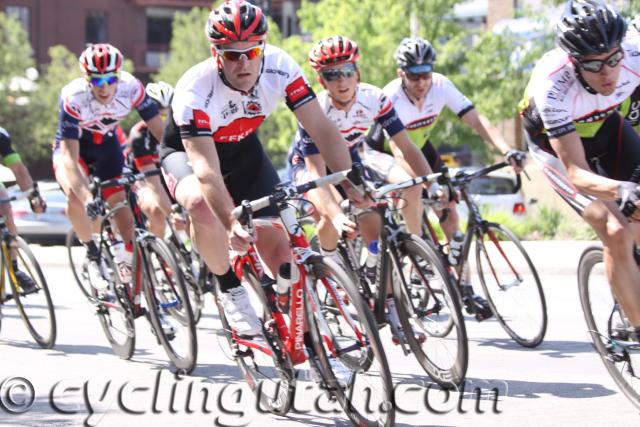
<point x="556" y="256"/>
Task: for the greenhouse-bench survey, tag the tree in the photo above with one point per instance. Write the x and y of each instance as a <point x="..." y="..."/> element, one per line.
<point x="15" y="58"/>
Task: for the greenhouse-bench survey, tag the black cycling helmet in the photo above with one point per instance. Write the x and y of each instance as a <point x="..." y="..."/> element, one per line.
<point x="415" y="55"/>
<point x="590" y="27"/>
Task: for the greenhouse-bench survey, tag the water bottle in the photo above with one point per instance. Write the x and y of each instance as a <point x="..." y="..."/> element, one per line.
<point x="455" y="247"/>
<point x="283" y="285"/>
<point x="372" y="260"/>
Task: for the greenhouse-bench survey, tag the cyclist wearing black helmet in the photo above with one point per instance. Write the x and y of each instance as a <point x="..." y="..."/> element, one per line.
<point x="583" y="145"/>
<point x="419" y="95"/>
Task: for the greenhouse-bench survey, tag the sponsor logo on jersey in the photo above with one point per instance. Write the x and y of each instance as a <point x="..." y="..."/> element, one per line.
<point x="252" y="108"/>
<point x="420" y="123"/>
<point x="229" y="109"/>
<point x="275" y="71"/>
<point x="297" y="90"/>
<point x="201" y="120"/>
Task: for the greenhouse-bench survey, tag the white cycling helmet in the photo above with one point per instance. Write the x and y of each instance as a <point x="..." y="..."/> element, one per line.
<point x="160" y="92"/>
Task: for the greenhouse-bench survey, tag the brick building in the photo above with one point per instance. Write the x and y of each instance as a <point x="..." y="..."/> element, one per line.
<point x="141" y="29"/>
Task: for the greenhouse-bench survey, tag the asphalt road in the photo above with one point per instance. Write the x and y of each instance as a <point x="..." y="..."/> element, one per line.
<point x="562" y="382"/>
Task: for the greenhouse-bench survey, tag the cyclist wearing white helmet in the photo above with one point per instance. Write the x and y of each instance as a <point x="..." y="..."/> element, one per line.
<point x="142" y="154"/>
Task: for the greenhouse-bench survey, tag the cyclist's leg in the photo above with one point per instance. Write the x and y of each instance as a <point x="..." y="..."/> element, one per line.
<point x="153" y="199"/>
<point x="620" y="159"/>
<point x="205" y="226"/>
<point x="615" y="231"/>
<point x="326" y="232"/>
<point x="451" y="222"/>
<point x="271" y="243"/>
<point x="109" y="165"/>
<point x="386" y="166"/>
<point x="75" y="208"/>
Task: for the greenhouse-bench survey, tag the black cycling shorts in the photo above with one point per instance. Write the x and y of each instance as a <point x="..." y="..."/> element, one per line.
<point x="247" y="172"/>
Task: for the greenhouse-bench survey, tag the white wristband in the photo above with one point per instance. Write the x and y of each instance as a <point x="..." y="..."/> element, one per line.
<point x="338" y="222"/>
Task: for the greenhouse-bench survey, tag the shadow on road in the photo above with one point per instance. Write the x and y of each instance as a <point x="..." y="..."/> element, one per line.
<point x="556" y="349"/>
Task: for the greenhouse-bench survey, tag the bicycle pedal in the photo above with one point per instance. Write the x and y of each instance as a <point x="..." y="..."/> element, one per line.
<point x="100" y="309"/>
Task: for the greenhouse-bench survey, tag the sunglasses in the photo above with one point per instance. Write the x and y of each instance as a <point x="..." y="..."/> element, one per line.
<point x="237" y="54"/>
<point x="333" y="74"/>
<point x="595" y="65"/>
<point x="103" y="79"/>
<point x="414" y="77"/>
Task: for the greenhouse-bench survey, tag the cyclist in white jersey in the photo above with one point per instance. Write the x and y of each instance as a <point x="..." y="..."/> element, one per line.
<point x="583" y="145"/>
<point x="211" y="156"/>
<point x="354" y="107"/>
<point x="90" y="109"/>
<point x="419" y="95"/>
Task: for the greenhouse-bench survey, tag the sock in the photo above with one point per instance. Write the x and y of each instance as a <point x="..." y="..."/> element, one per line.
<point x="228" y="281"/>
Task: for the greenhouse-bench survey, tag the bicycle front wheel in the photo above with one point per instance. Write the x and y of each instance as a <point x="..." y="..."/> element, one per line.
<point x="264" y="361"/>
<point x="35" y="307"/>
<point x="427" y="305"/>
<point x="342" y="338"/>
<point x="168" y="304"/>
<point x="603" y="315"/>
<point x="511" y="285"/>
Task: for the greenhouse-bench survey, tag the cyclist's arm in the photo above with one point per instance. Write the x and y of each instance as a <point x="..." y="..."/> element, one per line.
<point x="70" y="152"/>
<point x="23" y="177"/>
<point x="408" y="155"/>
<point x="325" y="134"/>
<point x="156" y="127"/>
<point x="206" y="167"/>
<point x="321" y="197"/>
<point x="571" y="153"/>
<point x="485" y="129"/>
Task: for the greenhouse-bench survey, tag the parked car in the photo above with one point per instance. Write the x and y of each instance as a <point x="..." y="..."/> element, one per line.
<point x="497" y="191"/>
<point x="49" y="227"/>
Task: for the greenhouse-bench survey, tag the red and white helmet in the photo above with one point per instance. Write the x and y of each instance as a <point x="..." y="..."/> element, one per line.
<point x="333" y="50"/>
<point x="100" y="58"/>
<point x="236" y="21"/>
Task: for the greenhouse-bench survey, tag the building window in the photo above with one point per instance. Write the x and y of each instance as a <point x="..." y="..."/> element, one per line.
<point x="96" y="27"/>
<point x="21" y="14"/>
<point x="159" y="30"/>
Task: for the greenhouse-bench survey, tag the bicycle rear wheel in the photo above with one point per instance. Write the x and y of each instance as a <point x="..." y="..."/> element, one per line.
<point x="77" y="262"/>
<point x="263" y="361"/>
<point x="168" y="304"/>
<point x="427" y="303"/>
<point x="602" y="315"/>
<point x="35" y="308"/>
<point x="349" y="337"/>
<point x="511" y="285"/>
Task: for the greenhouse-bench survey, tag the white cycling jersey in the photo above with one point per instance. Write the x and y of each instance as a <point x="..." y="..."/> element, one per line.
<point x="557" y="102"/>
<point x="203" y="105"/>
<point x="420" y="122"/>
<point x="81" y="109"/>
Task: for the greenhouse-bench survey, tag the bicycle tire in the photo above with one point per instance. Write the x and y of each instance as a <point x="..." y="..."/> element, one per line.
<point x="600" y="332"/>
<point x="33" y="307"/>
<point x="116" y="313"/>
<point x="196" y="294"/>
<point x="427" y="302"/>
<point x="502" y="298"/>
<point x="166" y="295"/>
<point x="77" y="266"/>
<point x="256" y="372"/>
<point x="384" y="405"/>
